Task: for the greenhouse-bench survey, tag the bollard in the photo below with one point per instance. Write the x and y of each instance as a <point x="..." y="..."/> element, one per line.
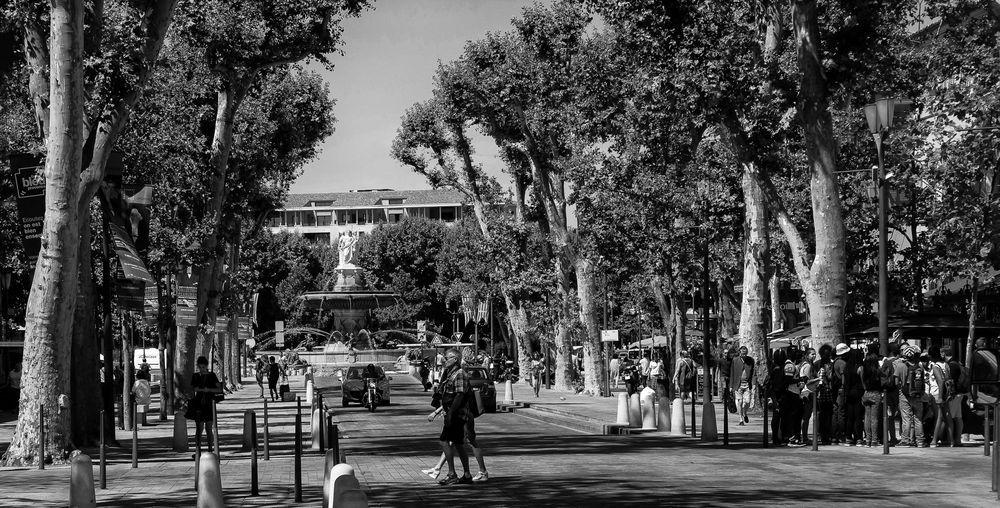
<point x="135" y="438"/>
<point x="663" y="414"/>
<point x="622" y="409"/>
<point x="322" y="428"/>
<point x="648" y="411"/>
<point x="254" y="490"/>
<point x="180" y="433"/>
<point x="267" y="435"/>
<point x="765" y="420"/>
<point x="887" y="422"/>
<point x="104" y="458"/>
<point x="725" y="417"/>
<point x="308" y="378"/>
<point x="309" y="393"/>
<point x="215" y="429"/>
<point x="694" y="431"/>
<point x="508" y="392"/>
<point x="342" y="480"/>
<point x="298" y="451"/>
<point x="332" y="432"/>
<point x="330" y="460"/>
<point x="249" y="430"/>
<point x="81" y="483"/>
<point x="353" y="499"/>
<point x="709" y="429"/>
<point x="986" y="431"/>
<point x="677" y="427"/>
<point x="209" y="482"/>
<point x="41" y="437"/>
<point x="634" y="413"/>
<point x="316" y="429"/>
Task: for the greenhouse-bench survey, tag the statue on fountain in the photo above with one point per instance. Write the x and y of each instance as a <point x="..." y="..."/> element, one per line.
<point x="347" y="247"/>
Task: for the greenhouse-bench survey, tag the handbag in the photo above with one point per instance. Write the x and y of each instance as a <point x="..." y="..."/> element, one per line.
<point x="218" y="397"/>
<point x="730" y="402"/>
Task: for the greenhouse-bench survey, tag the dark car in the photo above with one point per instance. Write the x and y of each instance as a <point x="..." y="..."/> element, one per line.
<point x="480" y="379"/>
<point x="353" y="385"/>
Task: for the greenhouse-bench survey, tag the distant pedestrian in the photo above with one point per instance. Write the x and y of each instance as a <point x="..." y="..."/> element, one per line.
<point x="740" y="377"/>
<point x="911" y="403"/>
<point x="871" y="380"/>
<point x="615" y="370"/>
<point x="644" y="370"/>
<point x="686" y="375"/>
<point x="144" y="372"/>
<point x="537" y="369"/>
<point x="942" y="389"/>
<point x="424" y="372"/>
<point x="260" y="372"/>
<point x="274" y="373"/>
<point x="200" y="407"/>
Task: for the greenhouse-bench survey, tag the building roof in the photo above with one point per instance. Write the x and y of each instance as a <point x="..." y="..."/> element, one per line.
<point x="372" y="197"/>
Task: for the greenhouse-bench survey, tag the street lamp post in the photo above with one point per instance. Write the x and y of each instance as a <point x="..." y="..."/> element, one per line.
<point x="880" y="117"/>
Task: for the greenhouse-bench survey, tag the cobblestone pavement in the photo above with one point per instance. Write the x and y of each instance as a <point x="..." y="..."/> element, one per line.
<point x="530" y="463"/>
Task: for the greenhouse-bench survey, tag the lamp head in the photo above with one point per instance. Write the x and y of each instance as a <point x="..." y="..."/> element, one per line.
<point x="871" y="113"/>
<point x="886" y="108"/>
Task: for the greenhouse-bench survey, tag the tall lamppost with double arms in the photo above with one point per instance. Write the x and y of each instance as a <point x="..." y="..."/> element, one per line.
<point x="880" y="116"/>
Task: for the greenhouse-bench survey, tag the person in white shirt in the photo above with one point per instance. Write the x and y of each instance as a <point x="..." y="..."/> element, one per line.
<point x="644" y="370"/>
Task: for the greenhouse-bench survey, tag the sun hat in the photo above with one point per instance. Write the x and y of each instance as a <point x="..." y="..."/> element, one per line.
<point x="842" y="349"/>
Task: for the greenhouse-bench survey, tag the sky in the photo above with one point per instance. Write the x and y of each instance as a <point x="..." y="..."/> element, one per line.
<point x="390" y="55"/>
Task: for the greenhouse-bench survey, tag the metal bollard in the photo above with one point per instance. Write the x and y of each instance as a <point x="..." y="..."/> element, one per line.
<point x="694" y="423"/>
<point x="331" y="430"/>
<point x="886" y="422"/>
<point x="765" y="421"/>
<point x="267" y="435"/>
<point x="298" y="451"/>
<point x="254" y="491"/>
<point x="104" y="464"/>
<point x="725" y="417"/>
<point x="815" y="422"/>
<point x="135" y="438"/>
<point x="41" y="437"/>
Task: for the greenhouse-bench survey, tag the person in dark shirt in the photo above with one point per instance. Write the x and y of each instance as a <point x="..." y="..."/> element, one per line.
<point x="201" y="406"/>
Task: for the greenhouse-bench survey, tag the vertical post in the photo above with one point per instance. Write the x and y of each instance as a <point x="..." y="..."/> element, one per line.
<point x="267" y="435"/>
<point x="886" y="422"/>
<point x="475" y="334"/>
<point x="334" y="438"/>
<point x="996" y="450"/>
<point x="298" y="451"/>
<point x="694" y="395"/>
<point x="104" y="463"/>
<point x="883" y="240"/>
<point x="986" y="431"/>
<point x="815" y="422"/>
<point x="725" y="415"/>
<point x="764" y="404"/>
<point x="41" y="436"/>
<point x="254" y="490"/>
<point x="322" y="428"/>
<point x="548" y="374"/>
<point x="215" y="429"/>
<point x="135" y="432"/>
<point x="705" y="330"/>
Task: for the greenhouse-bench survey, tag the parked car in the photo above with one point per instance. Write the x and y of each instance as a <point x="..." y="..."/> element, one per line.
<point x="353" y="385"/>
<point x="480" y="379"/>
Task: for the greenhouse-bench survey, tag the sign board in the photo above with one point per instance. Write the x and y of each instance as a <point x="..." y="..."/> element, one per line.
<point x="29" y="184"/>
<point x="221" y="323"/>
<point x="244" y="328"/>
<point x="609" y="335"/>
<point x="279" y="334"/>
<point x="187" y="300"/>
<point x="251" y="343"/>
<point x="128" y="256"/>
<point x="130" y="294"/>
<point x="421" y="328"/>
<point x="151" y="302"/>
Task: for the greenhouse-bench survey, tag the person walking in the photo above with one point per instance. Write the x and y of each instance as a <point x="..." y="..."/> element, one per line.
<point x="740" y="376"/>
<point x="810" y="382"/>
<point x="201" y="406"/>
<point x="455" y="394"/>
<point x="537" y="369"/>
<point x="274" y="373"/>
<point x="871" y="381"/>
<point x="615" y="370"/>
<point x="260" y="372"/>
<point x="644" y="370"/>
<point x="824" y="395"/>
<point x="685" y="375"/>
<point x="473" y="442"/>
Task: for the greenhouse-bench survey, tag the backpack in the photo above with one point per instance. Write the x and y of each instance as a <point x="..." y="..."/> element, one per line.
<point x="962" y="377"/>
<point x="914" y="384"/>
<point x="887" y="375"/>
<point x="946" y="385"/>
<point x="690" y="374"/>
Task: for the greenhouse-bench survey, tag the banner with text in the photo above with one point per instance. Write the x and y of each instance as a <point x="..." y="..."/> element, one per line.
<point x="29" y="183"/>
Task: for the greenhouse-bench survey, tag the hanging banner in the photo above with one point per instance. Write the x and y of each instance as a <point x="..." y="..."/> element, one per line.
<point x="245" y="329"/>
<point x="279" y="334"/>
<point x="221" y="324"/>
<point x="131" y="264"/>
<point x="187" y="299"/>
<point x="29" y="184"/>
<point x="130" y="294"/>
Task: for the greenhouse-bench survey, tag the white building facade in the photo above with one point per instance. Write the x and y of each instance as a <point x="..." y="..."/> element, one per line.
<point x="323" y="217"/>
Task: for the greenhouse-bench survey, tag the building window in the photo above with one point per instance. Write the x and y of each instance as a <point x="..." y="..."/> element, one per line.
<point x="274" y="220"/>
<point x="324" y="218"/>
<point x="434" y="213"/>
<point x="448" y="214"/>
<point x="351" y="216"/>
<point x="309" y="219"/>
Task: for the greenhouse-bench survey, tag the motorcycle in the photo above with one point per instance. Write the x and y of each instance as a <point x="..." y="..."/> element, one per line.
<point x="370" y="398"/>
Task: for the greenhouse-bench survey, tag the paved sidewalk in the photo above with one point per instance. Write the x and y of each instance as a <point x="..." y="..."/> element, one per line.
<point x="166" y="478"/>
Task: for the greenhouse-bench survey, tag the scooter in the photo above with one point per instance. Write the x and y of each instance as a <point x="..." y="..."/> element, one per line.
<point x="369" y="398"/>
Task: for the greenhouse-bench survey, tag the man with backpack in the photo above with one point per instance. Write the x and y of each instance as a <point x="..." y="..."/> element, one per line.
<point x="686" y="376"/>
<point x="911" y="404"/>
<point x="890" y="385"/>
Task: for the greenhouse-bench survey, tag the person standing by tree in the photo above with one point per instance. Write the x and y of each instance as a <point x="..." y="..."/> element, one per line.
<point x="201" y="406"/>
<point x="274" y="373"/>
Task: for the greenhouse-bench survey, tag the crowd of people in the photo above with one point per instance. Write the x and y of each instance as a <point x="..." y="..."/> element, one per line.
<point x="923" y="393"/>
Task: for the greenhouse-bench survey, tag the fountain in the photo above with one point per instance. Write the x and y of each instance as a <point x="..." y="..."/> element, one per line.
<point x="350" y="302"/>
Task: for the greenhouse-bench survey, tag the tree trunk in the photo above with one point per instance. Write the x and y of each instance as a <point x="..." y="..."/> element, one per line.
<point x="52" y="301"/>
<point x="973" y="310"/>
<point x="563" y="343"/>
<point x="128" y="357"/>
<point x="519" y="324"/>
<point x="593" y="361"/>
<point x="728" y="322"/>
<point x="85" y="389"/>
<point x="756" y="244"/>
